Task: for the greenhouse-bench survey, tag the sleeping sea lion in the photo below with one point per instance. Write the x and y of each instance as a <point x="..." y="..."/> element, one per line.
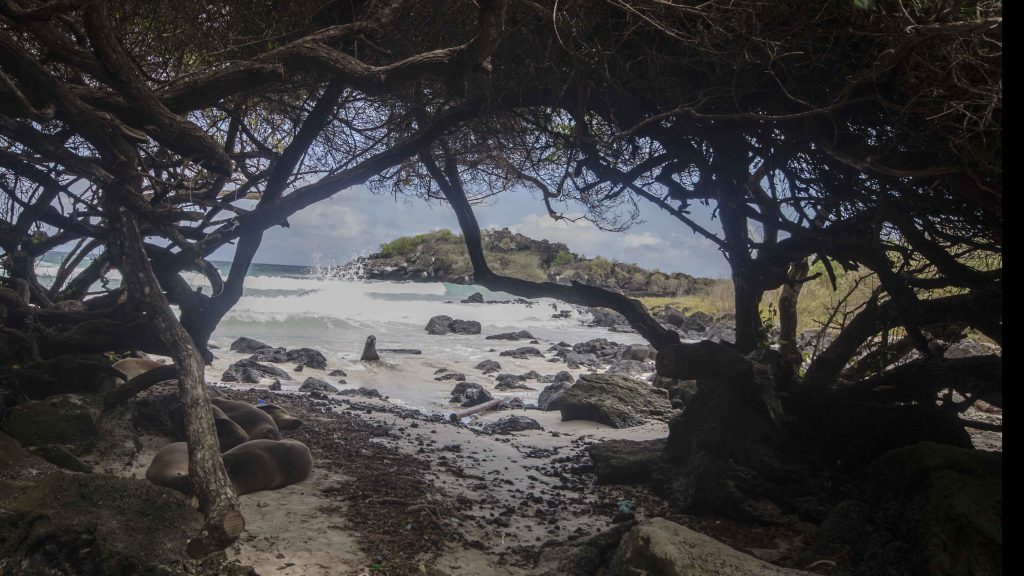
<point x="370" y="350"/>
<point x="256" y="423"/>
<point x="252" y="466"/>
<point x="229" y="433"/>
<point x="132" y="367"/>
<point x="282" y="418"/>
<point x="169" y="468"/>
<point x="267" y="464"/>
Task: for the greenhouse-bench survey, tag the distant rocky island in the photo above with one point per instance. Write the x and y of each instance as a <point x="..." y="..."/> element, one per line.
<point x="441" y="256"/>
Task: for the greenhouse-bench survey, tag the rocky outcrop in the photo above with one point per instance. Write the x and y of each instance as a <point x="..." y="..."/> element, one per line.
<point x="308" y="357"/>
<point x="523" y="353"/>
<point x="520" y="335"/>
<point x="440" y="325"/>
<point x="509" y="424"/>
<point x="93" y="524"/>
<point x="617" y="401"/>
<point x="71" y="420"/>
<point x="469" y="394"/>
<point x="250" y="372"/>
<point x="488" y="366"/>
<point x="551" y="396"/>
<point x="927" y="509"/>
<point x="474" y="298"/>
<point x="248" y="345"/>
<point x="316" y="385"/>
<point x="662" y="547"/>
<point x="626" y="461"/>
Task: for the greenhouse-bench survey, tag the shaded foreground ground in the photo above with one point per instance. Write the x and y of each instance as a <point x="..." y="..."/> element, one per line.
<point x="395" y="491"/>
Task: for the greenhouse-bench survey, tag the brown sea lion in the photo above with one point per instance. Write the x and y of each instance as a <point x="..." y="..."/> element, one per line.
<point x="267" y="464"/>
<point x="252" y="466"/>
<point x="229" y="433"/>
<point x="256" y="423"/>
<point x="169" y="468"/>
<point x="282" y="418"/>
<point x="370" y="350"/>
<point x="132" y="367"/>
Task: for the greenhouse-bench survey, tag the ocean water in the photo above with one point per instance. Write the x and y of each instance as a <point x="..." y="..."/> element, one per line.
<point x="301" y="306"/>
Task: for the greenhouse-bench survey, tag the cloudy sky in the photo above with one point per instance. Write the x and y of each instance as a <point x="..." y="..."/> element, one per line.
<point x="355" y="222"/>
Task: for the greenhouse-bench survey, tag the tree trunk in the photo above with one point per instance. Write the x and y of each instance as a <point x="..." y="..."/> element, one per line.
<point x="788" y="318"/>
<point x="749" y="335"/>
<point x="210" y="481"/>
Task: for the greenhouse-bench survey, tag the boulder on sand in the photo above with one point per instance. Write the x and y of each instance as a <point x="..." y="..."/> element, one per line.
<point x="439" y="325"/>
<point x="316" y="385"/>
<point x="469" y="394"/>
<point x="512" y="423"/>
<point x="660" y="546"/>
<point x="614" y="400"/>
<point x="488" y="366"/>
<point x="248" y="345"/>
<point x="521" y="335"/>
<point x="308" y="357"/>
<point x="523" y="353"/>
<point x="245" y="370"/>
<point x="551" y="396"/>
<point x="625" y="461"/>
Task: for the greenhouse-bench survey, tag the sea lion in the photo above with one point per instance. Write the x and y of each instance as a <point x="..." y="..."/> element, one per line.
<point x="267" y="465"/>
<point x="252" y="466"/>
<point x="282" y="418"/>
<point x="256" y="423"/>
<point x="229" y="433"/>
<point x="169" y="468"/>
<point x="132" y="367"/>
<point x="370" y="350"/>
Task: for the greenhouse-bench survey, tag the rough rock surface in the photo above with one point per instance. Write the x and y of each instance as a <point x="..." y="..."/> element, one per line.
<point x="488" y="366"/>
<point x="523" y="353"/>
<point x="246" y="367"/>
<point x="248" y="345"/>
<point x="66" y="419"/>
<point x="615" y="400"/>
<point x="662" y="547"/>
<point x="469" y="394"/>
<point x="626" y="461"/>
<point x="520" y="335"/>
<point x="316" y="385"/>
<point x="308" y="357"/>
<point x="551" y="396"/>
<point x="512" y="423"/>
<point x="928" y="509"/>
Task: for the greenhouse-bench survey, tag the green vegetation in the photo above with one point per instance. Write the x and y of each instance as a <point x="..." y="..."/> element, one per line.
<point x="443" y="255"/>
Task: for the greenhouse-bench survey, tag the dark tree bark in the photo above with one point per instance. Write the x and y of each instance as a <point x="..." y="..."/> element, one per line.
<point x="223" y="522"/>
<point x="788" y="317"/>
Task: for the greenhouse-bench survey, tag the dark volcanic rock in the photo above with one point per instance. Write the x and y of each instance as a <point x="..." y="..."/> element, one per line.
<point x="93" y="524"/>
<point x="457" y="376"/>
<point x="639" y="352"/>
<point x="474" y="298"/>
<point x="339" y="373"/>
<point x="488" y="366"/>
<point x="308" y="357"/>
<point x="523" y="353"/>
<point x="275" y="355"/>
<point x="521" y="335"/>
<point x="237" y="372"/>
<point x="469" y="394"/>
<point x="607" y="318"/>
<point x="67" y="419"/>
<point x="364" y="392"/>
<point x="316" y="385"/>
<point x="626" y="461"/>
<point x="510" y="382"/>
<point x="439" y="325"/>
<point x="630" y="368"/>
<point x="927" y="509"/>
<point x="575" y="360"/>
<point x="510" y="424"/>
<point x="615" y="400"/>
<point x="551" y="396"/>
<point x="465" y="327"/>
<point x="248" y="345"/>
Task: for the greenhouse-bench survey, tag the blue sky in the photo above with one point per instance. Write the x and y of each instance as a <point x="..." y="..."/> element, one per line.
<point x="355" y="222"/>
